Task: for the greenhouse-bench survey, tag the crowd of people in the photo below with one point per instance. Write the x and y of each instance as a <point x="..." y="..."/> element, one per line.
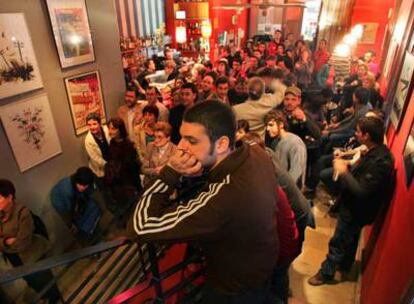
<point x="230" y="163"/>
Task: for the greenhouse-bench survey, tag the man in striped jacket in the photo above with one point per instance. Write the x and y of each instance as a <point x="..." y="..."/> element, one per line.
<point x="232" y="216"/>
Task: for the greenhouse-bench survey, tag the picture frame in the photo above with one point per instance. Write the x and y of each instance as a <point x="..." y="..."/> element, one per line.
<point x="370" y="33"/>
<point x="85" y="96"/>
<point x="403" y="90"/>
<point x="19" y="71"/>
<point x="31" y="131"/>
<point x="408" y="157"/>
<point x="70" y="25"/>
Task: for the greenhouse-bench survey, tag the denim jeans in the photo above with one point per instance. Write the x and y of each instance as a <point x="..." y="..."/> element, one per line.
<point x="342" y="246"/>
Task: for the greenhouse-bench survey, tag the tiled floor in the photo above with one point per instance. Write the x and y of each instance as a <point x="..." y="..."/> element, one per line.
<point x="308" y="263"/>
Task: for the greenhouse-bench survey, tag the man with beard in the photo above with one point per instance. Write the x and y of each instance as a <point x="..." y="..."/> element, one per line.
<point x="224" y="216"/>
<point x="259" y="104"/>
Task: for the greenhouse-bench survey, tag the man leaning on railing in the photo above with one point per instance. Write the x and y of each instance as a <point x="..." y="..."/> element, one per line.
<point x="220" y="195"/>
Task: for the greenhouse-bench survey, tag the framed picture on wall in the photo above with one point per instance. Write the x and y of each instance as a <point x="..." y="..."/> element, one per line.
<point x="370" y="33"/>
<point x="19" y="71"/>
<point x="85" y="96"/>
<point x="70" y="26"/>
<point x="31" y="131"/>
<point x="408" y="156"/>
<point x="403" y="90"/>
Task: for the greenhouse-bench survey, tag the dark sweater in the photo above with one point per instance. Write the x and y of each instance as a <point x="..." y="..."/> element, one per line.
<point x="233" y="218"/>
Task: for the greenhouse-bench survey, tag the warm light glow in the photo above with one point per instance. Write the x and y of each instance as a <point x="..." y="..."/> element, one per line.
<point x="357" y="31"/>
<point x="206" y="29"/>
<point x="181" y="34"/>
<point x="350" y="39"/>
<point x="75" y="39"/>
<point x="13" y="39"/>
<point x="342" y="50"/>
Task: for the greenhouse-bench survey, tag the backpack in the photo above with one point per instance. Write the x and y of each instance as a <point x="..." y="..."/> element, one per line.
<point x="39" y="225"/>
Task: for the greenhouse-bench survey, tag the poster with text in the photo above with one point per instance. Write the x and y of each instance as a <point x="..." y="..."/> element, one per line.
<point x="85" y="96"/>
<point x="19" y="71"/>
<point x="70" y="25"/>
<point x="31" y="131"/>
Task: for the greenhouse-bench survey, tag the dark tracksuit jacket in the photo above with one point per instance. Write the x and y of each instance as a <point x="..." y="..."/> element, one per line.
<point x="233" y="219"/>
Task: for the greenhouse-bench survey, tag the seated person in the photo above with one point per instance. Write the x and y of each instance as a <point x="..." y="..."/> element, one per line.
<point x="72" y="199"/>
<point x="19" y="244"/>
<point x="289" y="148"/>
<point x="158" y="152"/>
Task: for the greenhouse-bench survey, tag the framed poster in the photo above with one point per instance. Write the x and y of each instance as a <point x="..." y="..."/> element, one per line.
<point x="370" y="33"/>
<point x="85" y="96"/>
<point x="403" y="90"/>
<point x="31" y="131"/>
<point x="70" y="26"/>
<point x="19" y="71"/>
<point x="408" y="156"/>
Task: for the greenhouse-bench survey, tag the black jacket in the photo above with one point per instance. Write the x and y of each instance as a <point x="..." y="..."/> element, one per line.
<point x="369" y="185"/>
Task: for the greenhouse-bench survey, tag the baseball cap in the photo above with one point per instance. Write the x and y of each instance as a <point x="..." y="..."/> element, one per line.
<point x="293" y="90"/>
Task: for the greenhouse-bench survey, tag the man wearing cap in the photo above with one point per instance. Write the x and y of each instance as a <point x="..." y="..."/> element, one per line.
<point x="299" y="122"/>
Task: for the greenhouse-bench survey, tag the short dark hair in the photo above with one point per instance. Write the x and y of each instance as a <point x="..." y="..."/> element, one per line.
<point x="7" y="188"/>
<point x="277" y="116"/>
<point x="271" y="72"/>
<point x="222" y="80"/>
<point x="152" y="110"/>
<point x="83" y="176"/>
<point x="93" y="116"/>
<point x="243" y="124"/>
<point x="212" y="75"/>
<point x="362" y="94"/>
<point x="191" y="86"/>
<point x="374" y="126"/>
<point x="119" y="124"/>
<point x="216" y="117"/>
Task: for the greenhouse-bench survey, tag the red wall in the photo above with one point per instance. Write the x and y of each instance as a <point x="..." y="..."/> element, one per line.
<point x="372" y="11"/>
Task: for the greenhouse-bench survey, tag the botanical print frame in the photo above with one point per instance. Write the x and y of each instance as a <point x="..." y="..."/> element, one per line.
<point x="408" y="156"/>
<point x="70" y="26"/>
<point x="31" y="131"/>
<point x="19" y="71"/>
<point x="403" y="90"/>
<point x="85" y="96"/>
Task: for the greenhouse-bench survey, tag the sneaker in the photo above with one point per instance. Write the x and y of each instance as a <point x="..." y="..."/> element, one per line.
<point x="319" y="279"/>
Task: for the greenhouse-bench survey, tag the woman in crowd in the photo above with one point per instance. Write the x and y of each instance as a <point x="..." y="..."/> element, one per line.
<point x="158" y="152"/>
<point x="303" y="70"/>
<point x="122" y="169"/>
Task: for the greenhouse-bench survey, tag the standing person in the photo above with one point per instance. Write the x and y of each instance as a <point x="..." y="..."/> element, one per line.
<point x="152" y="95"/>
<point x="321" y="55"/>
<point x="144" y="132"/>
<point x="304" y="69"/>
<point x="97" y="144"/>
<point x="158" y="152"/>
<point x="130" y="112"/>
<point x="72" y="199"/>
<point x="122" y="169"/>
<point x="19" y="243"/>
<point x="258" y="104"/>
<point x="189" y="96"/>
<point x="289" y="148"/>
<point x="207" y="86"/>
<point x="364" y="191"/>
<point x="223" y="215"/>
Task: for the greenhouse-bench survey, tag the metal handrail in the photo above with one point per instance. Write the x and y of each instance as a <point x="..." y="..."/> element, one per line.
<point x="52" y="262"/>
